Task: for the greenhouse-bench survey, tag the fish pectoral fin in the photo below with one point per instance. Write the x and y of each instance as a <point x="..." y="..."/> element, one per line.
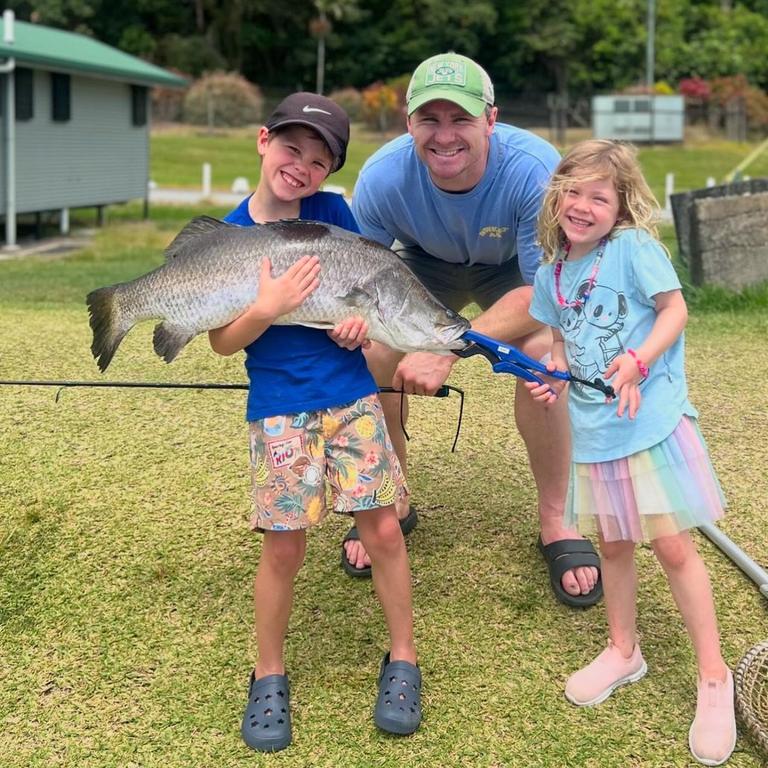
<point x="168" y="340"/>
<point x="200" y="225"/>
<point x="358" y="297"/>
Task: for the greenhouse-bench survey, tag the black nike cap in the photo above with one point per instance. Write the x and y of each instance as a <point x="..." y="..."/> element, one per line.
<point x="319" y="113"/>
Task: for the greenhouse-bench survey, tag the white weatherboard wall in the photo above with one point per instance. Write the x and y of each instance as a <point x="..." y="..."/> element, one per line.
<point x="638" y="118"/>
<point x="95" y="158"/>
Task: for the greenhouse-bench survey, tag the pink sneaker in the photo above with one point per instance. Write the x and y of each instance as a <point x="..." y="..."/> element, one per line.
<point x="598" y="680"/>
<point x="713" y="732"/>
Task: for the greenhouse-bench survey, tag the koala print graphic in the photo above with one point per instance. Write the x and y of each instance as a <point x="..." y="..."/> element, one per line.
<point x="591" y="330"/>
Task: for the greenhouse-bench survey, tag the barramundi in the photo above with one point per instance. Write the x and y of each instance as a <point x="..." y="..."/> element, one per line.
<point x="211" y="276"/>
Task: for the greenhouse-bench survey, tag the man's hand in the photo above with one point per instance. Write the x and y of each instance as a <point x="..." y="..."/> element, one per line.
<point x="351" y="333"/>
<point x="422" y="373"/>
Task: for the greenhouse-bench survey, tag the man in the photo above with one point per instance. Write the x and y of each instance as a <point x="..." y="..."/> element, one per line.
<point x="457" y="197"/>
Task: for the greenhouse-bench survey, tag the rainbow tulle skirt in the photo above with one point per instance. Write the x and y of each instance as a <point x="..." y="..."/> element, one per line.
<point x="660" y="491"/>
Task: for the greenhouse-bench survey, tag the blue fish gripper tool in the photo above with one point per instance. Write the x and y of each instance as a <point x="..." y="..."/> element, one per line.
<point x="505" y="358"/>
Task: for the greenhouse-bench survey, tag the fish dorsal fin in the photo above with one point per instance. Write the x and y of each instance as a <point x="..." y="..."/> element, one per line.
<point x="200" y="225"/>
<point x="299" y="229"/>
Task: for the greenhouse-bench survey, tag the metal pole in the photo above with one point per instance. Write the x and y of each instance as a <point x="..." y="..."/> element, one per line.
<point x="10" y="136"/>
<point x="650" y="54"/>
<point x="738" y="556"/>
<point x="650" y="75"/>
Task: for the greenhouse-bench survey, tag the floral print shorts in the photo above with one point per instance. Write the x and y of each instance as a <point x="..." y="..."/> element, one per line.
<point x="304" y="463"/>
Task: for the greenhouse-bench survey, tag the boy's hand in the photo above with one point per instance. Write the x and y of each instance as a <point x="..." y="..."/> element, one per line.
<point x="626" y="385"/>
<point x="548" y="392"/>
<point x="351" y="333"/>
<point x="281" y="295"/>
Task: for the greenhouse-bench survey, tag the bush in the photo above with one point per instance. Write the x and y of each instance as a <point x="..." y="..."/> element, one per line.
<point x="382" y="107"/>
<point x="223" y="99"/>
<point x="695" y="88"/>
<point x="351" y="101"/>
<point x="728" y="89"/>
<point x="168" y="103"/>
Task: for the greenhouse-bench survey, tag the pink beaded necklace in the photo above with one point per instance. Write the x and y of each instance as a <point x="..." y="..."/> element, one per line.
<point x="561" y="300"/>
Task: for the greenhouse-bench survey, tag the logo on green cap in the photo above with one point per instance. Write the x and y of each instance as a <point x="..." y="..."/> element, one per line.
<point x="446" y="72"/>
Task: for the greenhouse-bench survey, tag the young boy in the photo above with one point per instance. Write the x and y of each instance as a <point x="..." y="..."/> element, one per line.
<point x="314" y="416"/>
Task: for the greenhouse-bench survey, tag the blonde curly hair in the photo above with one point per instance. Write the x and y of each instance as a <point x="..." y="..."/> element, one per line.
<point x="596" y="160"/>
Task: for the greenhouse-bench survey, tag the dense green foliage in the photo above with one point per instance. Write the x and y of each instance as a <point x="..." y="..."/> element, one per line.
<point x="537" y="45"/>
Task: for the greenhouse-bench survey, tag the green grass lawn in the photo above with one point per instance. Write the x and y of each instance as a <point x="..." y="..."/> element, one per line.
<point x="125" y="607"/>
<point x="177" y="157"/>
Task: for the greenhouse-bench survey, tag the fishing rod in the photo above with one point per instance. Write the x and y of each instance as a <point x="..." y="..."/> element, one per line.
<point x="443" y="391"/>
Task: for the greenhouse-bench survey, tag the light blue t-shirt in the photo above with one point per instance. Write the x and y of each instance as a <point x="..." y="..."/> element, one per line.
<point x="395" y="199"/>
<point x="618" y="315"/>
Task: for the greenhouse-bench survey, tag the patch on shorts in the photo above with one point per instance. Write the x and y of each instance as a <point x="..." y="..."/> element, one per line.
<point x="282" y="453"/>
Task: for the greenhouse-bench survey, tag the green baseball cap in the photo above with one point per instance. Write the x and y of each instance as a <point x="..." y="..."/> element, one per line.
<point x="452" y="77"/>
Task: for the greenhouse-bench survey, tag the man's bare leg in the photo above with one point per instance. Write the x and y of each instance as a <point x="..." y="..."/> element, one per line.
<point x="547" y="437"/>
<point x="382" y="362"/>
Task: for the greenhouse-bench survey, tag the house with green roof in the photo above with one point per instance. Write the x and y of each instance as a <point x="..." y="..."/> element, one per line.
<point x="75" y="122"/>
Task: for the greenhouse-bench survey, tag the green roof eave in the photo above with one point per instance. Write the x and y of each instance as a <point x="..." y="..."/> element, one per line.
<point x="59" y="50"/>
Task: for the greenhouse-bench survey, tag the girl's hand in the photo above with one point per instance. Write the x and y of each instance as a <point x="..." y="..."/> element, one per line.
<point x="351" y="333"/>
<point x="626" y="384"/>
<point x="548" y="392"/>
<point x="280" y="295"/>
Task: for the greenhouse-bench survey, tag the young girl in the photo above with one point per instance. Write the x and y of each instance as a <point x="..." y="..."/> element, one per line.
<point x="640" y="468"/>
<point x="314" y="416"/>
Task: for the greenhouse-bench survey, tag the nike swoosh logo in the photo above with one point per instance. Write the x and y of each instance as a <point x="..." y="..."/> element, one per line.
<point x="315" y="109"/>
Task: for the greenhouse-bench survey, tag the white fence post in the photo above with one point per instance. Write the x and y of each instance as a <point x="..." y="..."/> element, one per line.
<point x="206" y="179"/>
<point x="669" y="188"/>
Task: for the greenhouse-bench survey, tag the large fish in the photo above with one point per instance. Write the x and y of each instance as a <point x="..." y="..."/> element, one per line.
<point x="211" y="275"/>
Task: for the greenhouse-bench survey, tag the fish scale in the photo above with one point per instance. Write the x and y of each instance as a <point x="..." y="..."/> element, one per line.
<point x="211" y="275"/>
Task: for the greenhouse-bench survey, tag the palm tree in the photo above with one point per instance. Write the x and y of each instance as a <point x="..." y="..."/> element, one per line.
<point x="320" y="27"/>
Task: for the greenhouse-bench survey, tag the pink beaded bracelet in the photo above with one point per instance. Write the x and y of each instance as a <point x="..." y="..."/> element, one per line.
<point x="641" y="366"/>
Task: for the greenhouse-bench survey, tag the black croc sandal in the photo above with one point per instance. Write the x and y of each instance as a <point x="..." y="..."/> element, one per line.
<point x="565" y="555"/>
<point x="267" y="720"/>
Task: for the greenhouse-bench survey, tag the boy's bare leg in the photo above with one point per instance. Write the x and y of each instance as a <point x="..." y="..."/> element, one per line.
<point x="381" y="535"/>
<point x="282" y="555"/>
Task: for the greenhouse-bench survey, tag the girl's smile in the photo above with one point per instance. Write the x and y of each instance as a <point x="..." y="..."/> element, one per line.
<point x="588" y="212"/>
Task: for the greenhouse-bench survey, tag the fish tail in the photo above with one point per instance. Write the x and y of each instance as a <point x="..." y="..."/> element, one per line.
<point x="168" y="340"/>
<point x="106" y="323"/>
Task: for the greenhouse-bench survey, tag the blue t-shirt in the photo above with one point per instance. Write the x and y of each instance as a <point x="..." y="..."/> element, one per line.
<point x="618" y="315"/>
<point x="292" y="368"/>
<point x="396" y="199"/>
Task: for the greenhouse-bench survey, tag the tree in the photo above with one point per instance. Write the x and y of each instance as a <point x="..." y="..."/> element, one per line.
<point x="320" y="27"/>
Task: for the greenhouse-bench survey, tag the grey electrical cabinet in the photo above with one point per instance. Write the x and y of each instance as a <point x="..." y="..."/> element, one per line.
<point x="638" y="118"/>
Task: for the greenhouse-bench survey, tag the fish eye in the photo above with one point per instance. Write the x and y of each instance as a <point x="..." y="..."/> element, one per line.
<point x="451" y="314"/>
